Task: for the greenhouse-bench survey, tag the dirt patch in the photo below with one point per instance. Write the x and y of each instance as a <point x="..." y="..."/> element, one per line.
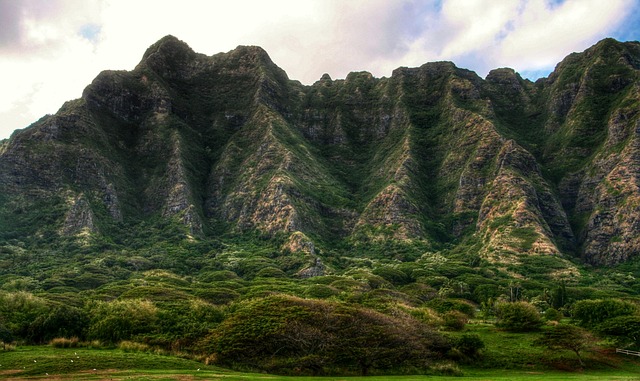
<point x="9" y="371"/>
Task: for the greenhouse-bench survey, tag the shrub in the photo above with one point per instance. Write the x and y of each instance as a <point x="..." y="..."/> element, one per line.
<point x="271" y="272"/>
<point x="6" y="336"/>
<point x="217" y="295"/>
<point x="454" y="320"/>
<point x="61" y="321"/>
<point x="19" y="310"/>
<point x="321" y="291"/>
<point x="63" y="342"/>
<point x="590" y="313"/>
<point x="132" y="346"/>
<point x="395" y="276"/>
<point x="518" y="317"/>
<point x="285" y="334"/>
<point x="551" y="314"/>
<point x="624" y="330"/>
<point x="445" y="305"/>
<point x="469" y="345"/>
<point x="425" y="315"/>
<point x="121" y="319"/>
<point x="446" y="369"/>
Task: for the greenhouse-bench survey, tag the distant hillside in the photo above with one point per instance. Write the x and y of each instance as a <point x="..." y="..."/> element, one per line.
<point x="433" y="156"/>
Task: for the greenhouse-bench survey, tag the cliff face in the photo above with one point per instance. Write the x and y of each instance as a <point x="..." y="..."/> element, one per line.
<point x="435" y="154"/>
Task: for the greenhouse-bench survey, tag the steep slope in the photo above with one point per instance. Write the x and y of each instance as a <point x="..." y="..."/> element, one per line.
<point x="433" y="156"/>
<point x="591" y="152"/>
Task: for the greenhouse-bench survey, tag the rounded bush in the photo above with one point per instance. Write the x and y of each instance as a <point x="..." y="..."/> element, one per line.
<point x="321" y="291"/>
<point x="518" y="317"/>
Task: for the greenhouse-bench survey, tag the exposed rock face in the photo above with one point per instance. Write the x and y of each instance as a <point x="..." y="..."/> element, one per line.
<point x="434" y="154"/>
<point x="79" y="218"/>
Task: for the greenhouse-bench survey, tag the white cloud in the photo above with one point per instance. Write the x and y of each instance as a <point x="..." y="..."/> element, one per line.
<point x="51" y="49"/>
<point x="475" y="24"/>
<point x="552" y="32"/>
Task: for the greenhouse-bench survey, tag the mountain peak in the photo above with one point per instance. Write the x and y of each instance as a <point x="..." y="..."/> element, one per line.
<point x="251" y="54"/>
<point x="167" y="45"/>
<point x="167" y="56"/>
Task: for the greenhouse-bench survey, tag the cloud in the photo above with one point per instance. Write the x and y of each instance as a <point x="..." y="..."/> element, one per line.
<point x="474" y="24"/>
<point x="40" y="27"/>
<point x="528" y="35"/>
<point x="11" y="24"/>
<point x="543" y="34"/>
<point x="51" y="49"/>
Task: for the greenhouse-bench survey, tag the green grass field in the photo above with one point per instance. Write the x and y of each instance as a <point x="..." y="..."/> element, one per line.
<point x="507" y="356"/>
<point x="47" y="363"/>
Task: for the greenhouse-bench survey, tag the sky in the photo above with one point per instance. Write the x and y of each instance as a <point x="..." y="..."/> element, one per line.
<point x="50" y="50"/>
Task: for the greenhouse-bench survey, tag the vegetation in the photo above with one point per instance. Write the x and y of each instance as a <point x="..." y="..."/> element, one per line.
<point x="289" y="335"/>
<point x="518" y="317"/>
<point x="567" y="337"/>
<point x="209" y="209"/>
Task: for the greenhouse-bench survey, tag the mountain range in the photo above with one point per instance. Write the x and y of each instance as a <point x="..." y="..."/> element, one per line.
<point x="433" y="156"/>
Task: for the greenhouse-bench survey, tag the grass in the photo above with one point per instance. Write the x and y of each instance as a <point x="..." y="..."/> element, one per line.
<point x="513" y="356"/>
<point x="44" y="362"/>
<point x="507" y="356"/>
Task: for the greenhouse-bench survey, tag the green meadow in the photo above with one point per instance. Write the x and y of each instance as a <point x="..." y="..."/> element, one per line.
<point x="506" y="356"/>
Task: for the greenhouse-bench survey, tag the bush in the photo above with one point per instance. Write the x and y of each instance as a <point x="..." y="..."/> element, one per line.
<point x="445" y="305"/>
<point x="446" y="369"/>
<point x="454" y="320"/>
<point x="590" y="313"/>
<point x="395" y="276"/>
<point x="518" y="317"/>
<point x="321" y="291"/>
<point x="469" y="345"/>
<point x="132" y="346"/>
<point x="61" y="321"/>
<point x="217" y="295"/>
<point x="271" y="272"/>
<point x="624" y="330"/>
<point x="551" y="314"/>
<point x="19" y="310"/>
<point x="6" y="337"/>
<point x="63" y="342"/>
<point x="284" y="334"/>
<point x="121" y="319"/>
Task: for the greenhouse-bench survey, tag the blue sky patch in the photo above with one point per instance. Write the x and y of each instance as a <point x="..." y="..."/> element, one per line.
<point x="90" y="32"/>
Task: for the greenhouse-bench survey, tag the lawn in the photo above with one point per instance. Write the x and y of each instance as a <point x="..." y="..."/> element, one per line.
<point x="507" y="356"/>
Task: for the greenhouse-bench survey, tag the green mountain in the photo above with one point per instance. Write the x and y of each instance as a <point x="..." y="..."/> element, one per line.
<point x="432" y="159"/>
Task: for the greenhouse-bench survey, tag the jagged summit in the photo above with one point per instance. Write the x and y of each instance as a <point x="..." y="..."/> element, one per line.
<point x="434" y="155"/>
<point x="168" y="45"/>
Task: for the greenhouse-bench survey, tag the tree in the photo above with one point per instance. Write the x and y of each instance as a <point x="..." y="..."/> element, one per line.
<point x="625" y="330"/>
<point x="515" y="291"/>
<point x="518" y="317"/>
<point x="5" y="336"/>
<point x="567" y="337"/>
<point x="287" y="334"/>
<point x="60" y="321"/>
<point x="591" y="313"/>
<point x="18" y="310"/>
<point x="559" y="295"/>
<point x="121" y="319"/>
<point x="487" y="309"/>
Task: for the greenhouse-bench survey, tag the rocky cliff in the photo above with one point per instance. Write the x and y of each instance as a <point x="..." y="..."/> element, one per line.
<point x="218" y="144"/>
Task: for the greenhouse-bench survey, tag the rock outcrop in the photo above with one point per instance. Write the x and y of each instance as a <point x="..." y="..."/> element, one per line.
<point x="433" y="154"/>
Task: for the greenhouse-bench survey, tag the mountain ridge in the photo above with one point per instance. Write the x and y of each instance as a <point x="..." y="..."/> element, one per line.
<point x="433" y="156"/>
